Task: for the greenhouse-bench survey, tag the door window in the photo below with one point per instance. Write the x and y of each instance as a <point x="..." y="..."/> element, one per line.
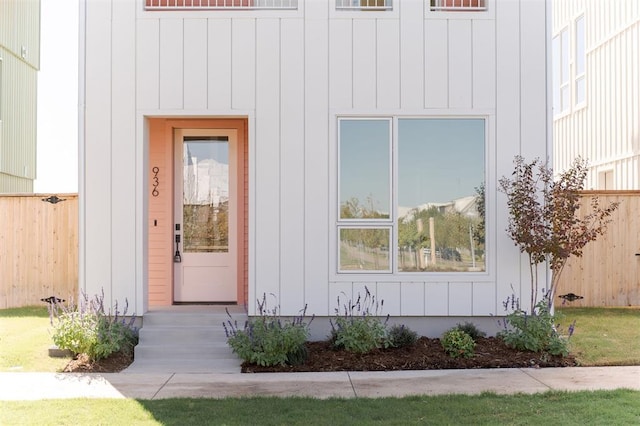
<point x="206" y="194"/>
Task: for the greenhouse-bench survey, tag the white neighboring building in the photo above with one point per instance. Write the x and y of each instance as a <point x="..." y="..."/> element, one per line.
<point x="596" y="84"/>
<point x="331" y="114"/>
<point x="19" y="66"/>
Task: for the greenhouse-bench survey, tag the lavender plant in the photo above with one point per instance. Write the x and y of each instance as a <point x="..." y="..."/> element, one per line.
<point x="89" y="329"/>
<point x="537" y="332"/>
<point x="269" y="339"/>
<point x="357" y="326"/>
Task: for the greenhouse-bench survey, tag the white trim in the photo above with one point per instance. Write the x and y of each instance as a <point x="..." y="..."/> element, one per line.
<point x="142" y="218"/>
<point x="82" y="227"/>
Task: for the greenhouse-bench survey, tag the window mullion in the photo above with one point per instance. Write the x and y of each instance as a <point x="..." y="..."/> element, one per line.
<point x="394" y="196"/>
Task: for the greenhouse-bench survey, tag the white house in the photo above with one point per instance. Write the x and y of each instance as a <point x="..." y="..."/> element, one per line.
<point x="19" y="66"/>
<point x="596" y="84"/>
<point x="327" y="121"/>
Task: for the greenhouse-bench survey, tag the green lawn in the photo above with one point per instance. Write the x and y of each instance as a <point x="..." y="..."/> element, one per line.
<point x="620" y="407"/>
<point x="604" y="336"/>
<point x="25" y="340"/>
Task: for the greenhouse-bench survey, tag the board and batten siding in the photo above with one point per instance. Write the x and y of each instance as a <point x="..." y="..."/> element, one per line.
<point x="605" y="129"/>
<point x="19" y="65"/>
<point x="291" y="74"/>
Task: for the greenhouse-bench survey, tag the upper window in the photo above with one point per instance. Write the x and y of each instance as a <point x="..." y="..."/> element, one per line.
<point x="580" y="59"/>
<point x="569" y="67"/>
<point x="364" y="4"/>
<point x="458" y="5"/>
<point x="605" y="180"/>
<point x="219" y="4"/>
<point x="560" y="60"/>
<point x="422" y="211"/>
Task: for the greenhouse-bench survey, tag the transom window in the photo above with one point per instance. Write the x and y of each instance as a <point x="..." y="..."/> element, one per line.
<point x="219" y="4"/>
<point x="364" y="4"/>
<point x="458" y="5"/>
<point x="411" y="200"/>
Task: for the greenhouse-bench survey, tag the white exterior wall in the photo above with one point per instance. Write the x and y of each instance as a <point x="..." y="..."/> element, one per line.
<point x="19" y="65"/>
<point x="292" y="73"/>
<point x="605" y="130"/>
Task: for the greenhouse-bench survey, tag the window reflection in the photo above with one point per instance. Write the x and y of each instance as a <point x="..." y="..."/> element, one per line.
<point x="441" y="195"/>
<point x="206" y="194"/>
<point x="438" y="186"/>
<point x="364" y="249"/>
<point x="365" y="164"/>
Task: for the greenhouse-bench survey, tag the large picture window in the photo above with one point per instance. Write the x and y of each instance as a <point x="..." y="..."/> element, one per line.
<point x="411" y="200"/>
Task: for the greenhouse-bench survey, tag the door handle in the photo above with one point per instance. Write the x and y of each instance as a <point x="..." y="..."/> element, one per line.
<point x="177" y="258"/>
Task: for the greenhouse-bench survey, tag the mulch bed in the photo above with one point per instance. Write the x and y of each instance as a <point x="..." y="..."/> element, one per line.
<point x="426" y="354"/>
<point x="112" y="364"/>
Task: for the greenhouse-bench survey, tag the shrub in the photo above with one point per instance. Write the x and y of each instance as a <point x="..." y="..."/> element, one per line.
<point x="401" y="336"/>
<point x="535" y="333"/>
<point x="359" y="329"/>
<point x="471" y="330"/>
<point x="76" y="331"/>
<point x="268" y="339"/>
<point x="115" y="334"/>
<point x="89" y="330"/>
<point x="457" y="343"/>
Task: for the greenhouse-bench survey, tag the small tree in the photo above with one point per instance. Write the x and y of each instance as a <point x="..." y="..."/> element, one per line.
<point x="543" y="218"/>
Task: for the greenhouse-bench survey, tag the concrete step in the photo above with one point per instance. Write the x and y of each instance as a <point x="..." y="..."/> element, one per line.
<point x="175" y="334"/>
<point x="194" y="351"/>
<point x="163" y="320"/>
<point x="226" y="366"/>
<point x="203" y="317"/>
<point x="186" y="339"/>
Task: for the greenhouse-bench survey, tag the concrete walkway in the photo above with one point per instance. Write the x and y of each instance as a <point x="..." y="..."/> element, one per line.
<point x="36" y="386"/>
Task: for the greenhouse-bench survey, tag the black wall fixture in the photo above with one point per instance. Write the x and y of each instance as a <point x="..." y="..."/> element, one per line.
<point x="54" y="199"/>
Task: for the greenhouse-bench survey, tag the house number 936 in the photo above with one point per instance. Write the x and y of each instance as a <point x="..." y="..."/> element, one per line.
<point x="155" y="182"/>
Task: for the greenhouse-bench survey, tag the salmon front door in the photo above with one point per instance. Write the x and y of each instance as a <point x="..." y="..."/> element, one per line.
<point x="206" y="203"/>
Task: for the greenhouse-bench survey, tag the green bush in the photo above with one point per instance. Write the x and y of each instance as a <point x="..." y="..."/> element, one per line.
<point x="90" y="330"/>
<point x="359" y="328"/>
<point x="359" y="335"/>
<point x="457" y="343"/>
<point x="471" y="330"/>
<point x="535" y="333"/>
<point x="401" y="336"/>
<point x="268" y="339"/>
<point x="114" y="336"/>
<point x="76" y="331"/>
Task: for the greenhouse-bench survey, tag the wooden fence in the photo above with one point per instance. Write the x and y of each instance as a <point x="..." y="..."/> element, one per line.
<point x="38" y="249"/>
<point x="608" y="273"/>
<point x="39" y="252"/>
